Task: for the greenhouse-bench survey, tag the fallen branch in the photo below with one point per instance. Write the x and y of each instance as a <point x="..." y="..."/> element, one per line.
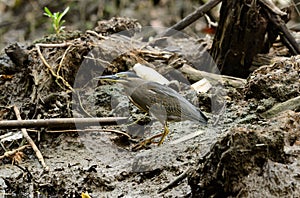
<point x="60" y="122"/>
<point x="30" y="141"/>
<point x="275" y="17"/>
<point x="196" y="75"/>
<point x="84" y="130"/>
<point x="178" y="179"/>
<point x="191" y="18"/>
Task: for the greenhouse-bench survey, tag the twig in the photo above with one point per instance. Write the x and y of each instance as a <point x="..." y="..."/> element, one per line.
<point x="275" y="16"/>
<point x="25" y="169"/>
<point x="181" y="177"/>
<point x="96" y="34"/>
<point x="81" y="106"/>
<point x="30" y="141"/>
<point x="84" y="130"/>
<point x="191" y="18"/>
<point x="59" y="122"/>
<point x="272" y="7"/>
<point x="288" y="38"/>
<point x="62" y="59"/>
<point x="10" y="153"/>
<point x="48" y="66"/>
<point x="65" y="44"/>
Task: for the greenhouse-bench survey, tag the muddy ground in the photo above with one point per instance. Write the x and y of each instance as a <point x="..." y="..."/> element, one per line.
<point x="250" y="148"/>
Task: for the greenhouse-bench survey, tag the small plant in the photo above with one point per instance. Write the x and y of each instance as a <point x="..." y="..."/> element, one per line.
<point x="56" y="18"/>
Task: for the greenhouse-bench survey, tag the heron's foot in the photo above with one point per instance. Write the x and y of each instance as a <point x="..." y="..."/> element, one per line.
<point x="164" y="134"/>
<point x="145" y="143"/>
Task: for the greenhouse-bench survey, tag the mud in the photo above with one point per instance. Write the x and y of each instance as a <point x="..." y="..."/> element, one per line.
<point x="238" y="153"/>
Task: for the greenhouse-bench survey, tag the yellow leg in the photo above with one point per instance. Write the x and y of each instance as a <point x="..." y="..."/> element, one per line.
<point x="149" y="141"/>
<point x="165" y="133"/>
<point x="145" y="143"/>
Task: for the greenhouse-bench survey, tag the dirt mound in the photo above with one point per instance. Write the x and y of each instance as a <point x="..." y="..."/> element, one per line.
<point x="251" y="161"/>
<point x="279" y="81"/>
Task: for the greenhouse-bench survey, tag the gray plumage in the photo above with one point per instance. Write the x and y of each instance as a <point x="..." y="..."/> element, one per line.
<point x="160" y="101"/>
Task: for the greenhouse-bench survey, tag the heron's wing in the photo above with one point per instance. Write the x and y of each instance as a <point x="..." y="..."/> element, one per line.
<point x="176" y="105"/>
<point x="188" y="111"/>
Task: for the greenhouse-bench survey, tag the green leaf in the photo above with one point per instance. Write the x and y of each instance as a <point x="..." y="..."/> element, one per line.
<point x="63" y="14"/>
<point x="55" y="15"/>
<point x="56" y="19"/>
<point x="47" y="12"/>
<point x="62" y="22"/>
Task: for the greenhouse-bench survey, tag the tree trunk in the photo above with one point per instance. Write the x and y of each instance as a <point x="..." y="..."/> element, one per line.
<point x="239" y="37"/>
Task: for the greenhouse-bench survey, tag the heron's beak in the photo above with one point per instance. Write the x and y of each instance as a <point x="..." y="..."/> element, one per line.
<point x="113" y="78"/>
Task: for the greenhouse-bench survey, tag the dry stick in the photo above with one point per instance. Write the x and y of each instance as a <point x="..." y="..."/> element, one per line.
<point x="272" y="7"/>
<point x="59" y="122"/>
<point x="48" y="66"/>
<point x="290" y="41"/>
<point x="65" y="44"/>
<point x="197" y="75"/>
<point x="84" y="130"/>
<point x="62" y="59"/>
<point x="30" y="141"/>
<point x="96" y="34"/>
<point x="288" y="38"/>
<point x="81" y="106"/>
<point x="10" y="153"/>
<point x="181" y="177"/>
<point x="192" y="17"/>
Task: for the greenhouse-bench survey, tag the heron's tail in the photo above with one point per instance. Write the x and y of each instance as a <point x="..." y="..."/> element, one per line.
<point x="203" y="119"/>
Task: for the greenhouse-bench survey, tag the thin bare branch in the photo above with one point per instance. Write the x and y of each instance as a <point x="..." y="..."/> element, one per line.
<point x="30" y="141"/>
<point x="192" y="17"/>
<point x="59" y="122"/>
<point x="84" y="130"/>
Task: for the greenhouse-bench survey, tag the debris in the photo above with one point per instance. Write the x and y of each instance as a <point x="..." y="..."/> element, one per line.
<point x="202" y="86"/>
<point x="31" y="142"/>
<point x="291" y="104"/>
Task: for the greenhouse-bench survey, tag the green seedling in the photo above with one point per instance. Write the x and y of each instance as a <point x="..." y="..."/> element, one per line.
<point x="56" y="19"/>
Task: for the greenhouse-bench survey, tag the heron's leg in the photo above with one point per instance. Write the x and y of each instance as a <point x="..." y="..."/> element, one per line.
<point x="146" y="142"/>
<point x="164" y="134"/>
<point x="149" y="141"/>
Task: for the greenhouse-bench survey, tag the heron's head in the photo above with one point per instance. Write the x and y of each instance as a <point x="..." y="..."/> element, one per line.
<point x="119" y="77"/>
